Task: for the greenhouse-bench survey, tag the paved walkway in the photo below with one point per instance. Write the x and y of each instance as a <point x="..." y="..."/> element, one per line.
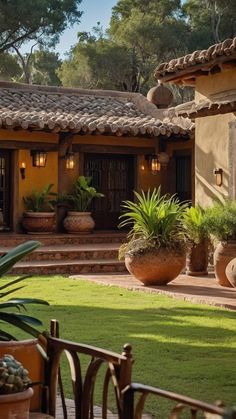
<point x="203" y="290"/>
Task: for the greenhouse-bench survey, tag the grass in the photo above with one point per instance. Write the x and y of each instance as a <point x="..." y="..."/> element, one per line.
<point x="177" y="345"/>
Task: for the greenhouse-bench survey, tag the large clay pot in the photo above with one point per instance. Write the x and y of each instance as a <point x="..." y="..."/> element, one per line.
<point x="78" y="222"/>
<point x="155" y="267"/>
<point x="39" y="222"/>
<point x="197" y="259"/>
<point x="27" y="353"/>
<point x="231" y="272"/>
<point x="224" y="253"/>
<point x="15" y="405"/>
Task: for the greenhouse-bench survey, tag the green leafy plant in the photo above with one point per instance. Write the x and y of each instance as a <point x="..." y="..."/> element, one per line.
<point x="195" y="225"/>
<point x="81" y="196"/>
<point x="154" y="221"/>
<point x="220" y="220"/>
<point x="41" y="201"/>
<point x="17" y="319"/>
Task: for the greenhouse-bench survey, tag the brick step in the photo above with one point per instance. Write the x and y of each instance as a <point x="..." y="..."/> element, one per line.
<point x="11" y="239"/>
<point x="72" y="252"/>
<point x="69" y="267"/>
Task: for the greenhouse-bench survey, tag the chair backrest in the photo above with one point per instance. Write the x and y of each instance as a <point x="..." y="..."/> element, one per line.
<point x="135" y="395"/>
<point x="117" y="373"/>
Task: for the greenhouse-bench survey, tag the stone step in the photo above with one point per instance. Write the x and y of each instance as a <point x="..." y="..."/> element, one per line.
<point x="12" y="239"/>
<point x="72" y="252"/>
<point x="69" y="267"/>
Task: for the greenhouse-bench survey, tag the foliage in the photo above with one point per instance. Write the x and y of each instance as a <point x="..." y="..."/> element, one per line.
<point x="220" y="220"/>
<point x="181" y="341"/>
<point x="40" y="201"/>
<point x="27" y="20"/>
<point x="194" y="222"/>
<point x="9" y="67"/>
<point x="154" y="221"/>
<point x="22" y="321"/>
<point x="19" y="381"/>
<point x="81" y="196"/>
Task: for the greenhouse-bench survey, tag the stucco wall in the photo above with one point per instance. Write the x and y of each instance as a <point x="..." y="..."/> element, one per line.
<point x="212" y="140"/>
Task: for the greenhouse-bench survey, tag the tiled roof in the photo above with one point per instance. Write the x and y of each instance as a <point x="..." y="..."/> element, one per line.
<point x="198" y="60"/>
<point x="217" y="104"/>
<point x="86" y="111"/>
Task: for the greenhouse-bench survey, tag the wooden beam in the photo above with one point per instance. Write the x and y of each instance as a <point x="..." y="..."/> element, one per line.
<point x="106" y="149"/>
<point x="27" y="145"/>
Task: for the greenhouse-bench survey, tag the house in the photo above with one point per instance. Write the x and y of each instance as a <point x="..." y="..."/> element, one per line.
<point x="212" y="73"/>
<point x="54" y="134"/>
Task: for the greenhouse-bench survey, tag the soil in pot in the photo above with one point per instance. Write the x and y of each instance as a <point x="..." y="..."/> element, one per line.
<point x="224" y="253"/>
<point x="155" y="267"/>
<point x="197" y="259"/>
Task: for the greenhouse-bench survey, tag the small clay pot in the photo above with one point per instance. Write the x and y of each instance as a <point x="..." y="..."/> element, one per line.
<point x="231" y="272"/>
<point x="39" y="222"/>
<point x="197" y="259"/>
<point x="224" y="253"/>
<point x="16" y="405"/>
<point x="78" y="222"/>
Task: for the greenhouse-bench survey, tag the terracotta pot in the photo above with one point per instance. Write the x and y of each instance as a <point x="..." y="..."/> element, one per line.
<point x="231" y="272"/>
<point x="197" y="259"/>
<point x="27" y="353"/>
<point x="78" y="222"/>
<point x="156" y="267"/>
<point x="224" y="253"/>
<point x="39" y="222"/>
<point x="15" y="405"/>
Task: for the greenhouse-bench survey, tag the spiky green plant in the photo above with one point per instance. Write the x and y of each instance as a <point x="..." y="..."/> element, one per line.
<point x="18" y="319"/>
<point x="81" y="196"/>
<point x="220" y="220"/>
<point x="194" y="222"/>
<point x="154" y="220"/>
<point x="41" y="201"/>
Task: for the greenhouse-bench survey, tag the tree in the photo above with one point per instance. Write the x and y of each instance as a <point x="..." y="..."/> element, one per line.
<point x="25" y="20"/>
<point x="9" y="67"/>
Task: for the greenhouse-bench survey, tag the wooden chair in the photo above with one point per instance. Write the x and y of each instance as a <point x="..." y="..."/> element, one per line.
<point x="130" y="397"/>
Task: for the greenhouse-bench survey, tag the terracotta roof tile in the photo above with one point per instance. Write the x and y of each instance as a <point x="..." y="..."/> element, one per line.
<point x="77" y="110"/>
<point x="205" y="59"/>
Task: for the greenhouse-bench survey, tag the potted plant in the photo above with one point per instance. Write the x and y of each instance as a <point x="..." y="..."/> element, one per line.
<point x="156" y="251"/>
<point x="25" y="351"/>
<point x="221" y="223"/>
<point x="15" y="390"/>
<point x="197" y="233"/>
<point x="40" y="211"/>
<point x="79" y="219"/>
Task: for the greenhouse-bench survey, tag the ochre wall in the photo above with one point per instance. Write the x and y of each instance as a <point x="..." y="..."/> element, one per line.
<point x="37" y="177"/>
<point x="212" y="139"/>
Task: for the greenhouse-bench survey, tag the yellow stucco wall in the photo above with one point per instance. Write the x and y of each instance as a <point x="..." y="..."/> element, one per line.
<point x="37" y="177"/>
<point x="212" y="139"/>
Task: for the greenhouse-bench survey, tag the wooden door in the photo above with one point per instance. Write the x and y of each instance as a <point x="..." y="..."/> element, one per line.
<point x="113" y="175"/>
<point x="183" y="176"/>
<point x="5" y="186"/>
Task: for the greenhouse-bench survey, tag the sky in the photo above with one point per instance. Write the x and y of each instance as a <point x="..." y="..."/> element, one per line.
<point x="93" y="11"/>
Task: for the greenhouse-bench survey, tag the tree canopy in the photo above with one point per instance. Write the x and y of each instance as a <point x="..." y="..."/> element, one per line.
<point x="44" y="20"/>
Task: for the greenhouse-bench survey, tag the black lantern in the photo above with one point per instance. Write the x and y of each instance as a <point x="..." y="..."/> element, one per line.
<point x="39" y="158"/>
<point x="70" y="161"/>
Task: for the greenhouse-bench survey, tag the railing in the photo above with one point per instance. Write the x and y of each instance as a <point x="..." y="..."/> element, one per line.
<point x="133" y="407"/>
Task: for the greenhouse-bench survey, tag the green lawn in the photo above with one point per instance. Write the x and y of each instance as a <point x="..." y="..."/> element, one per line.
<point x="177" y="345"/>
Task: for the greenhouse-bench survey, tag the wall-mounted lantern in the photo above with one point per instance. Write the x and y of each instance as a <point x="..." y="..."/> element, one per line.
<point x="39" y="158"/>
<point x="218" y="176"/>
<point x="22" y="169"/>
<point x="70" y="160"/>
<point x="153" y="163"/>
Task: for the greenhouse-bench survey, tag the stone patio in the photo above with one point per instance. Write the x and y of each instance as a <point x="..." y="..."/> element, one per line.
<point x="199" y="290"/>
